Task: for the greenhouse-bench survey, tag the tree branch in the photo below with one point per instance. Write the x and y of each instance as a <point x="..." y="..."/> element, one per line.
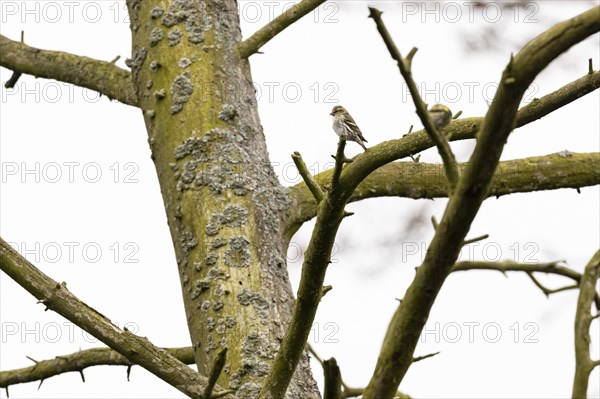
<point x="330" y="214"/>
<point x="101" y="76"/>
<point x="348" y="392"/>
<point x="583" y="319"/>
<point x="450" y="166"/>
<point x="555" y="268"/>
<point x="463" y="129"/>
<point x="422" y="180"/>
<point x="273" y="28"/>
<point x="312" y="185"/>
<point x="79" y="361"/>
<point x="333" y="379"/>
<point x="137" y="350"/>
<point x="215" y="372"/>
<point x="407" y="323"/>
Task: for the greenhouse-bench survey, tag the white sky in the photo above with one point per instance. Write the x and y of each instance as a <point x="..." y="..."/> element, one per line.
<point x="333" y="56"/>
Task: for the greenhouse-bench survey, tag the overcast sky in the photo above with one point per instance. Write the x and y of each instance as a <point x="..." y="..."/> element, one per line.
<point x="90" y="212"/>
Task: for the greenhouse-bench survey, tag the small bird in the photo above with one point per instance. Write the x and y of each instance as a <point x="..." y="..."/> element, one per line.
<point x="441" y="115"/>
<point x="345" y="126"/>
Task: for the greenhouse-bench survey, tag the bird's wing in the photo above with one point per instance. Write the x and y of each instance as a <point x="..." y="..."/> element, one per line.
<point x="349" y="120"/>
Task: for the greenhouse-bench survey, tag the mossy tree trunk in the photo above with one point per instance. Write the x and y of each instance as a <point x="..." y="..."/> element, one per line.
<point x="224" y="204"/>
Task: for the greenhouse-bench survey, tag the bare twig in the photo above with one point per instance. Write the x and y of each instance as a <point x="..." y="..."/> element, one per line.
<point x="583" y="319"/>
<point x="409" y="319"/>
<point x="262" y="36"/>
<point x="314" y="188"/>
<point x="340" y="160"/>
<point x="325" y="290"/>
<point x="348" y="392"/>
<point x="419" y="358"/>
<point x="77" y="362"/>
<point x="548" y="291"/>
<point x="137" y="350"/>
<point x="317" y="258"/>
<point x="101" y="76"/>
<point x="476" y="239"/>
<point x="381" y="156"/>
<point x="556" y="268"/>
<point x="215" y="372"/>
<point x="333" y="380"/>
<point x="450" y="165"/>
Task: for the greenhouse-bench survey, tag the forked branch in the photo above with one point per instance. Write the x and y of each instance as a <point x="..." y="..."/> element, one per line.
<point x="383" y="154"/>
<point x="409" y="319"/>
<point x="138" y="350"/>
<point x="450" y="166"/>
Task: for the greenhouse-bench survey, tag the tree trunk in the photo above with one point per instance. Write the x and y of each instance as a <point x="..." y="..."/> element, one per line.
<point x="224" y="204"/>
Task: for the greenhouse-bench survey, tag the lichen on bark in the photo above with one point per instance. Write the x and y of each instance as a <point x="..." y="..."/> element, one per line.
<point x="224" y="204"/>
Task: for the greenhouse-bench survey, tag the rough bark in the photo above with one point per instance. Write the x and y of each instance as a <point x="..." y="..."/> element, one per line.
<point x="101" y="76"/>
<point x="224" y="205"/>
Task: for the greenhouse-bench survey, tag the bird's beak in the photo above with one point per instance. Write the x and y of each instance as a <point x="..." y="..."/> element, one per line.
<point x="332" y="113"/>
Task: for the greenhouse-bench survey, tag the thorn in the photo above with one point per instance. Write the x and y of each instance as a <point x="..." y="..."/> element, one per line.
<point x="590" y="66"/>
<point x="434" y="222"/>
<point x="32" y="359"/>
<point x="419" y="358"/>
<point x="41" y="382"/>
<point x="459" y="113"/>
<point x="346" y="214"/>
<point x="578" y="190"/>
<point x="23" y="38"/>
<point x="325" y="290"/>
<point x="125" y="328"/>
<point x="115" y="59"/>
<point x="82" y="376"/>
<point x="472" y="240"/>
<point x="510" y="63"/>
<point x="7" y="395"/>
<point x="398" y="299"/>
<point x="409" y="58"/>
<point x="128" y="372"/>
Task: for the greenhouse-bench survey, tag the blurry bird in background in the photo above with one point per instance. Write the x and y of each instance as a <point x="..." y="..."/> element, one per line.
<point x="345" y="126"/>
<point x="441" y="115"/>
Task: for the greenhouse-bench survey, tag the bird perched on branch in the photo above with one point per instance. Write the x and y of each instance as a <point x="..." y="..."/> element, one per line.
<point x="345" y="126"/>
<point x="441" y="115"/>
